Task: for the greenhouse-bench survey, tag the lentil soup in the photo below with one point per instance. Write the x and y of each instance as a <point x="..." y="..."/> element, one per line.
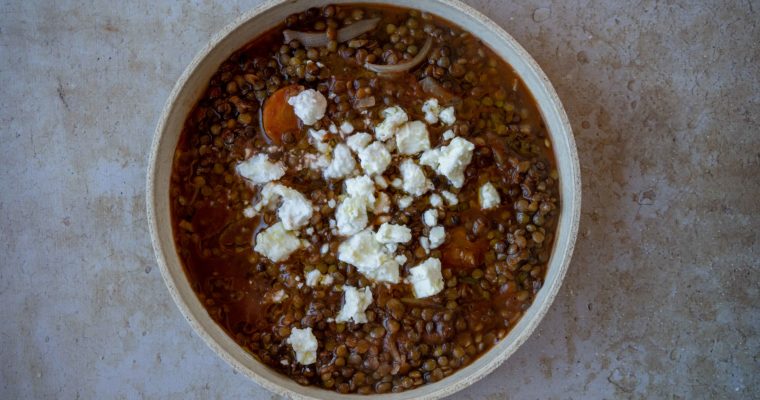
<point x="365" y="198"/>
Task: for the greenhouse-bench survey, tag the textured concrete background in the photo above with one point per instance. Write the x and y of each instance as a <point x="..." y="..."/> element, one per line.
<point x="661" y="300"/>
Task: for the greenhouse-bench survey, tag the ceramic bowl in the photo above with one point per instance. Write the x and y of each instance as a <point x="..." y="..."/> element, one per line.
<point x="190" y="87"/>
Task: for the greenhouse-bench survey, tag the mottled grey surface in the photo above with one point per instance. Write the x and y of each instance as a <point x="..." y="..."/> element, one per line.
<point x="661" y="300"/>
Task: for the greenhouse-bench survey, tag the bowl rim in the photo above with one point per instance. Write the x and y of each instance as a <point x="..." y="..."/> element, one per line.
<point x="550" y="291"/>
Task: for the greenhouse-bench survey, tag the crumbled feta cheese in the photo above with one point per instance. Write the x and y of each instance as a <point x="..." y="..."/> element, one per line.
<point x="404" y="202"/>
<point x="425" y="243"/>
<point x="346" y="128"/>
<point x="315" y="161"/>
<point x="333" y="129"/>
<point x="318" y="135"/>
<point x="397" y="182"/>
<point x="312" y="278"/>
<point x="436" y="236"/>
<point x="358" y="141"/>
<point x="342" y="164"/>
<point x="451" y="198"/>
<point x="447" y="116"/>
<point x="382" y="204"/>
<point x="279" y="296"/>
<point x="362" y="186"/>
<point x="351" y="215"/>
<point x="391" y="247"/>
<point x="415" y="182"/>
<point x="401" y="259"/>
<point x="426" y="278"/>
<point x="355" y="302"/>
<point x="294" y="211"/>
<point x="331" y="203"/>
<point x="390" y="233"/>
<point x="412" y="138"/>
<point x="326" y="280"/>
<point x="369" y="257"/>
<point x="249" y="212"/>
<point x="305" y="345"/>
<point x="284" y="362"/>
<point x="276" y="243"/>
<point x="431" y="110"/>
<point x="435" y="200"/>
<point x="375" y="158"/>
<point x="450" y="161"/>
<point x="258" y="169"/>
<point x="381" y="182"/>
<point x="324" y="249"/>
<point x="448" y="135"/>
<point x="430" y="217"/>
<point x="309" y="106"/>
<point x="488" y="196"/>
<point x="393" y="117"/>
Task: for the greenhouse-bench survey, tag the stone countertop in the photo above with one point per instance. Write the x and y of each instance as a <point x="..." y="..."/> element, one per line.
<point x="661" y="299"/>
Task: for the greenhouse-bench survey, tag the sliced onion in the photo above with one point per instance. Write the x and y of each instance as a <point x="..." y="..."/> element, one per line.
<point x="319" y="39"/>
<point x="365" y="102"/>
<point x="394" y="68"/>
<point x="431" y="86"/>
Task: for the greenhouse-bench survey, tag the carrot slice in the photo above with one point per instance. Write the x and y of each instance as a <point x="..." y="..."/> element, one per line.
<point x="278" y="116"/>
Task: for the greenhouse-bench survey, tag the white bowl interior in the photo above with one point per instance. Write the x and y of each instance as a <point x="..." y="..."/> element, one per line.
<point x="192" y="84"/>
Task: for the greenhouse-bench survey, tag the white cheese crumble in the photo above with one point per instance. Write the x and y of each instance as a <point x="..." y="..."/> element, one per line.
<point x="316" y="138"/>
<point x="393" y="117"/>
<point x="382" y="204"/>
<point x="355" y="302"/>
<point x="381" y="182"/>
<point x="342" y="164"/>
<point x="437" y="236"/>
<point x="448" y="135"/>
<point x="426" y="278"/>
<point x="358" y="141"/>
<point x="404" y="202"/>
<point x="249" y="212"/>
<point x="309" y="106"/>
<point x="331" y="203"/>
<point x="294" y="210"/>
<point x="312" y="278"/>
<point x="259" y="170"/>
<point x="390" y="233"/>
<point x="276" y="243"/>
<point x="333" y="129"/>
<point x="415" y="182"/>
<point x="431" y="108"/>
<point x="369" y="257"/>
<point x="397" y="182"/>
<point x="447" y="116"/>
<point x="305" y="345"/>
<point x="488" y="196"/>
<point x="401" y="259"/>
<point x="279" y="296"/>
<point x="450" y="161"/>
<point x="435" y="200"/>
<point x="412" y="138"/>
<point x="362" y="186"/>
<point x="351" y="215"/>
<point x="451" y="198"/>
<point x="425" y="243"/>
<point x="430" y="217"/>
<point x="346" y="128"/>
<point x="375" y="158"/>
